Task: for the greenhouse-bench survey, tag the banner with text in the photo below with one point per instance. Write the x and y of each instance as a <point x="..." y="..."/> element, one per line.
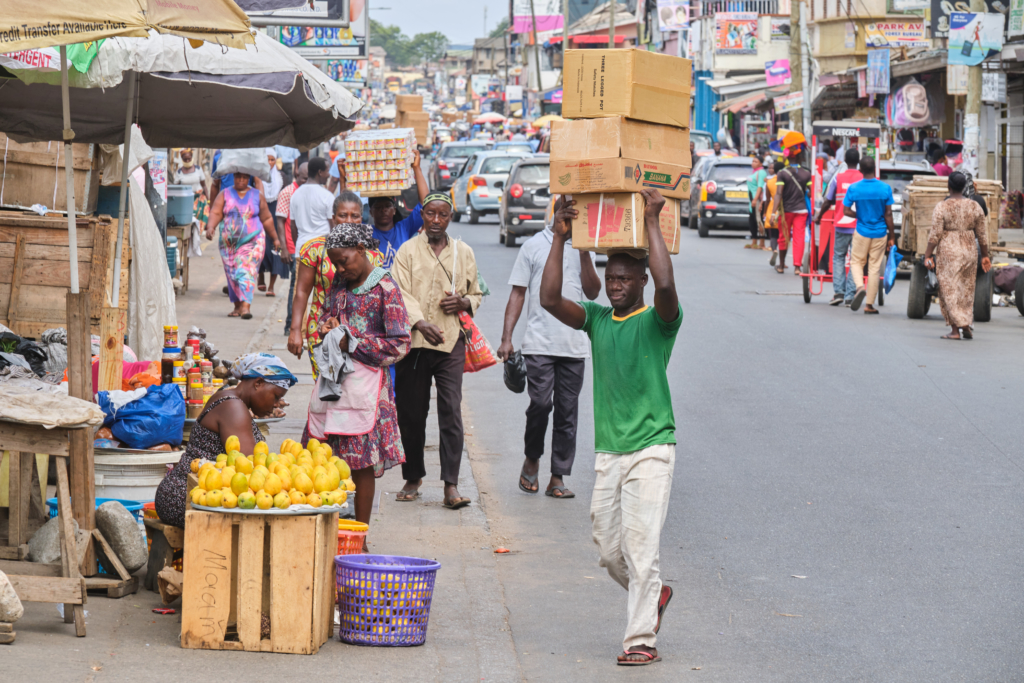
<point x="736" y="33"/>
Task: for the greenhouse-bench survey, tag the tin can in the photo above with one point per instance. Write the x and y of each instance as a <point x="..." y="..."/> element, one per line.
<point x="170" y="336"/>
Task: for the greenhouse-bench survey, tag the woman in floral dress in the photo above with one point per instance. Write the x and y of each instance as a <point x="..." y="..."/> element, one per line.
<point x="956" y="223"/>
<point x="365" y="300"/>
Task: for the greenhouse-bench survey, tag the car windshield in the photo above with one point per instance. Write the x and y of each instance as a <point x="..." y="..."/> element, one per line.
<point x="462" y="152"/>
<point x="532" y="174"/>
<point x="730" y="173"/>
<point x="898" y="180"/>
<point x="516" y="148"/>
<point x="498" y="164"/>
<point x="700" y="142"/>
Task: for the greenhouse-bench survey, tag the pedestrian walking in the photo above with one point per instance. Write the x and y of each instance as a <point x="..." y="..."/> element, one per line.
<point x="956" y="223"/>
<point x="793" y="184"/>
<point x="634" y="425"/>
<point x="770" y="218"/>
<point x="755" y="189"/>
<point x="555" y="357"/>
<point x="246" y="229"/>
<point x="869" y="201"/>
<point x="312" y="205"/>
<point x="438" y="279"/>
<point x="273" y="262"/>
<point x="843" y="286"/>
<point x="391" y="234"/>
<point x="287" y="230"/>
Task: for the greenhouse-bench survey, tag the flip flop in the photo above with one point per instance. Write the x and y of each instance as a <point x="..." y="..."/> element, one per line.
<point x="407" y="496"/>
<point x="651" y="658"/>
<point x="663" y="601"/>
<point x="455" y="503"/>
<point x="950" y="336"/>
<point x="870" y="311"/>
<point x="232" y="314"/>
<point x="966" y="333"/>
<point x="246" y="316"/>
<point x="566" y="493"/>
<point x="271" y="294"/>
<point x="529" y="480"/>
<point x="262" y="288"/>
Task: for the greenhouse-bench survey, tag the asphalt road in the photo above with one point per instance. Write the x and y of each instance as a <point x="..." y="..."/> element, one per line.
<point x="843" y="506"/>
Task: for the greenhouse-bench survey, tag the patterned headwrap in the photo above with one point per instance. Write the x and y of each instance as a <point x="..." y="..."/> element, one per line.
<point x="351" y="235"/>
<point x="969" y="190"/>
<point x="439" y="197"/>
<point x="265" y="366"/>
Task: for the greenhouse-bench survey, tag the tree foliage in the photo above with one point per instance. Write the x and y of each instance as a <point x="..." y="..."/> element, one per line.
<point x="500" y="29"/>
<point x="403" y="50"/>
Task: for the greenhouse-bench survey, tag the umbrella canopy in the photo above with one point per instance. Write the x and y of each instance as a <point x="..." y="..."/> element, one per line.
<point x="545" y="121"/>
<point x="201" y="97"/>
<point x="489" y="117"/>
<point x="25" y="24"/>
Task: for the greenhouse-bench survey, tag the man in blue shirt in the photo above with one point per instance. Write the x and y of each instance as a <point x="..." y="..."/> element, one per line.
<point x="869" y="201"/>
<point x="393" y="235"/>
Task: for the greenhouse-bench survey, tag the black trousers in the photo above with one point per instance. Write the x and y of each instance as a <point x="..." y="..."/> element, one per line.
<point x="413" y="375"/>
<point x="752" y="223"/>
<point x="554" y="382"/>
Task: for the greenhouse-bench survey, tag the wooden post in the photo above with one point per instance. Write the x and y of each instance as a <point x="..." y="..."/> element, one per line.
<point x="112" y="328"/>
<point x="83" y="484"/>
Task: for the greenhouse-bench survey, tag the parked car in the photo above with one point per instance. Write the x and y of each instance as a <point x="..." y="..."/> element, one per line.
<point x="723" y="202"/>
<point x="513" y="146"/>
<point x="448" y="162"/>
<point x="524" y="200"/>
<point x="477" y="190"/>
<point x="701" y="140"/>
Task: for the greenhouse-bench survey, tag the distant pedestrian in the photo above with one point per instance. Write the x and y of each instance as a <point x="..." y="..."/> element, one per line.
<point x="555" y="357"/>
<point x="425" y="268"/>
<point x="770" y="218"/>
<point x="288" y="231"/>
<point x="870" y="203"/>
<point x="716" y="147"/>
<point x="312" y="205"/>
<point x="941" y="165"/>
<point x="273" y="262"/>
<point x="634" y="424"/>
<point x="755" y="190"/>
<point x="793" y="184"/>
<point x="956" y="223"/>
<point x="843" y="286"/>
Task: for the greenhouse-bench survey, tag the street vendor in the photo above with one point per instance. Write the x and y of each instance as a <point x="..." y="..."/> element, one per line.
<point x="263" y="380"/>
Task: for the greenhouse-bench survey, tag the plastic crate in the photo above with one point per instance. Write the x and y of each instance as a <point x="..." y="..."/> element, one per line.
<point x="172" y="255"/>
<point x="384" y="600"/>
<point x="132" y="506"/>
<point x="350" y="536"/>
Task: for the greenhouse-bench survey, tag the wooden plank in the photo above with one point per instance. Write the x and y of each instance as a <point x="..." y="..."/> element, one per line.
<point x="14" y="552"/>
<point x="15" y="436"/>
<point x="175" y="535"/>
<point x="28" y="464"/>
<point x="102" y="265"/>
<point x="30" y="568"/>
<point x="250" y="581"/>
<point x="78" y="163"/>
<point x="115" y="588"/>
<point x="43" y="252"/>
<point x="28" y="219"/>
<point x="16" y="274"/>
<point x="111" y="555"/>
<point x="112" y="329"/>
<point x="206" y="593"/>
<point x="68" y="538"/>
<point x="46" y="273"/>
<point x="15" y="521"/>
<point x="323" y="557"/>
<point x="48" y="589"/>
<point x="48" y="236"/>
<point x="291" y="583"/>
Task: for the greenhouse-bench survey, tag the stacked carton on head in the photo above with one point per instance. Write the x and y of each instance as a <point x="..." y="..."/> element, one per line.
<point x="411" y="115"/>
<point x="379" y="162"/>
<point x="631" y="111"/>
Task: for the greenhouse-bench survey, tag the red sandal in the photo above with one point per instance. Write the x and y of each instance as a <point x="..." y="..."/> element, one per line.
<point x="652" y="657"/>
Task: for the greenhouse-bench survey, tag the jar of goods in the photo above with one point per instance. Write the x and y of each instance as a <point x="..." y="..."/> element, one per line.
<point x="170" y="336"/>
<point x="195" y="391"/>
<point x="182" y="385"/>
<point x="170" y="355"/>
<point x="179" y="369"/>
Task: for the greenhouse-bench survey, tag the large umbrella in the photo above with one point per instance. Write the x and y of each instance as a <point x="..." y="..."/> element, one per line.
<point x="545" y="121"/>
<point x="489" y="117"/>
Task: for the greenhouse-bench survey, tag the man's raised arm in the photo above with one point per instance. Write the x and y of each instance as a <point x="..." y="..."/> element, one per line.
<point x="565" y="310"/>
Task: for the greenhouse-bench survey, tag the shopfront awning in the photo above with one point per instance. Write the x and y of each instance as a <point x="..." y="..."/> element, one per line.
<point x="737" y="85"/>
<point x="929" y="61"/>
<point x="740" y="104"/>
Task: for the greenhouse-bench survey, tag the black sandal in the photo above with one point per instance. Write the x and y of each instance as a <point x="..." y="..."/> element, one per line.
<point x="529" y="480"/>
<point x="564" y="492"/>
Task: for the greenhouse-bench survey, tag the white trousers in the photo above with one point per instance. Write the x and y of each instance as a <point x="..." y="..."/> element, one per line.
<point x="628" y="510"/>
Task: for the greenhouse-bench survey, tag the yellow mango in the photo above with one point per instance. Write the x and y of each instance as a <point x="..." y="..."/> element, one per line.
<point x="214" y="498"/>
<point x="260" y="447"/>
<point x="333" y="477"/>
<point x="226" y="474"/>
<point x="313" y="499"/>
<point x="239" y="484"/>
<point x="312" y="445"/>
<point x="327" y="498"/>
<point x="246" y="501"/>
<point x="222" y="460"/>
<point x="350" y="485"/>
<point x="262" y="469"/>
<point x="285" y="445"/>
<point x="328" y="451"/>
<point x="206" y="465"/>
<point x="195" y="466"/>
<point x="264" y="501"/>
<point x="195" y="493"/>
<point x="343" y="469"/>
<point x="304" y="483"/>
<point x="202" y="499"/>
<point x="260" y="459"/>
<point x="202" y="478"/>
<point x="229" y="500"/>
<point x="286" y="480"/>
<point x="257" y="480"/>
<point x="282" y="501"/>
<point x="321" y="483"/>
<point x="297" y="497"/>
<point x="273" y="484"/>
<point x="244" y="465"/>
<point x="319" y="460"/>
<point x="214" y="480"/>
<point x="232" y="444"/>
<point x="340" y="497"/>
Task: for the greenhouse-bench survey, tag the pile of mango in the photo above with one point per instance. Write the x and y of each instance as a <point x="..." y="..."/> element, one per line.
<point x="295" y="476"/>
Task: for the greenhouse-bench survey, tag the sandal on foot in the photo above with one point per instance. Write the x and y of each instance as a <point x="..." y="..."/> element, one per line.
<point x="966" y="333"/>
<point x="858" y="299"/>
<point x="404" y="496"/>
<point x="781" y="270"/>
<point x="529" y="480"/>
<point x="233" y="314"/>
<point x="271" y="294"/>
<point x="246" y="316"/>
<point x="663" y="600"/>
<point x="563" y="492"/>
<point x="950" y="336"/>
<point x="455" y="503"/>
<point x="651" y="658"/>
<point x="262" y="288"/>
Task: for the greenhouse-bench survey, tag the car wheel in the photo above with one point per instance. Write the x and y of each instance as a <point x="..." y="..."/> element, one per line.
<point x="501" y="235"/>
<point x="983" y="297"/>
<point x="510" y="240"/>
<point x="474" y="216"/>
<point x="456" y="216"/>
<point x="702" y="228"/>
<point x="918" y="299"/>
<point x="1018" y="293"/>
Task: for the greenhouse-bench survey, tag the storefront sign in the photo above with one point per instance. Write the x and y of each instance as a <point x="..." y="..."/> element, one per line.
<point x="851" y="36"/>
<point x="514" y="93"/>
<point x="673" y="15"/>
<point x="781" y="30"/>
<point x="878" y="72"/>
<point x="1015" y="20"/>
<point x="896" y="34"/>
<point x="956" y="79"/>
<point x="736" y="33"/>
<point x="941" y="9"/>
<point x="972" y="36"/>
<point x="777" y="72"/>
<point x="993" y="87"/>
<point x="479" y="83"/>
<point x="862" y="84"/>
<point x="794" y="101"/>
<point x="548" y="13"/>
<point x="904" y="5"/>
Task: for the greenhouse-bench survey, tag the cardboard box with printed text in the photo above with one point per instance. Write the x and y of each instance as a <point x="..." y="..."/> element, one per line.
<point x="617" y="136"/>
<point x="611" y="221"/>
<point x="618" y="175"/>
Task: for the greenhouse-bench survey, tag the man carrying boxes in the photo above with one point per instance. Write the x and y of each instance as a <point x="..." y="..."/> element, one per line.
<point x="625" y="161"/>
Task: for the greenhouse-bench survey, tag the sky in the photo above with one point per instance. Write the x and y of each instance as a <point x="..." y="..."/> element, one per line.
<point x="460" y="20"/>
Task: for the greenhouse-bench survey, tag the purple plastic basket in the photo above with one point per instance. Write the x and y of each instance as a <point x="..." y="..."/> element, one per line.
<point x="384" y="599"/>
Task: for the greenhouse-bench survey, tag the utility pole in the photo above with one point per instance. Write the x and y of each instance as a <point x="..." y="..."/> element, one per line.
<point x="972" y="123"/>
<point x="565" y="30"/>
<point x="536" y="50"/>
<point x="485" y="21"/>
<point x="611" y="24"/>
<point x="795" y="61"/>
<point x="805" y="73"/>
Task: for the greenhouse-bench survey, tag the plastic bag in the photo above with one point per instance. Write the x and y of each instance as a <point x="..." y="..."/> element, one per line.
<point x="33" y="353"/>
<point x="891" y="263"/>
<point x="515" y="373"/>
<point x="479" y="354"/>
<point x="158" y="417"/>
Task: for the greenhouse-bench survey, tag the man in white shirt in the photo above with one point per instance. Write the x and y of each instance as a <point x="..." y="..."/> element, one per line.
<point x="555" y="357"/>
<point x="272" y="262"/>
<point x="312" y="205"/>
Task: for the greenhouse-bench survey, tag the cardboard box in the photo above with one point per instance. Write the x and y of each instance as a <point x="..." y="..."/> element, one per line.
<point x="616" y="136"/>
<point x="409" y="102"/>
<point x="641" y="85"/>
<point x="621" y="220"/>
<point x="619" y="175"/>
<point x="407" y="119"/>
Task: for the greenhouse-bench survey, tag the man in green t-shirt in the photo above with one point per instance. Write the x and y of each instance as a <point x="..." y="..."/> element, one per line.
<point x="634" y="426"/>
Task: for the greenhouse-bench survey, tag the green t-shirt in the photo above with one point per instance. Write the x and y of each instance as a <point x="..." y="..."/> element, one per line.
<point x="755" y="181"/>
<point x="632" y="402"/>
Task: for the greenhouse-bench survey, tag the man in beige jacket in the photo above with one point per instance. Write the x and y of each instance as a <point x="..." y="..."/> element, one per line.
<point x="438" y="279"/>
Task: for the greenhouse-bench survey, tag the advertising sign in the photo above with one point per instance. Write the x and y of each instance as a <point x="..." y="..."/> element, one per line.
<point x="345" y="71"/>
<point x="673" y="15"/>
<point x="781" y="30"/>
<point x="971" y="36"/>
<point x="941" y="10"/>
<point x="878" y="72"/>
<point x="513" y="93"/>
<point x="777" y="72"/>
<point x="904" y="5"/>
<point x="479" y="83"/>
<point x="548" y="13"/>
<point x="896" y="34"/>
<point x="1015" y="20"/>
<point x="319" y="42"/>
<point x="794" y="101"/>
<point x="993" y="87"/>
<point x="736" y="33"/>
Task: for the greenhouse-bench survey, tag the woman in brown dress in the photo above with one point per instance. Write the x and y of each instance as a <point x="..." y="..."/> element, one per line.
<point x="956" y="223"/>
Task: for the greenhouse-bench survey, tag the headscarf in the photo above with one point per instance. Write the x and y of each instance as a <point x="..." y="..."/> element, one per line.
<point x="969" y="190"/>
<point x="271" y="152"/>
<point x="265" y="366"/>
<point x="439" y="197"/>
<point x="345" y="235"/>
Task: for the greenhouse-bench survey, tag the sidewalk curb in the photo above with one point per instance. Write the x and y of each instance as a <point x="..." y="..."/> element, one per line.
<point x="260" y="335"/>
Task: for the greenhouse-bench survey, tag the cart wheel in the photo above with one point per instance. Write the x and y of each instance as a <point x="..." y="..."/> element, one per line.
<point x="1018" y="293"/>
<point x="806" y="284"/>
<point x="983" y="297"/>
<point x="918" y="300"/>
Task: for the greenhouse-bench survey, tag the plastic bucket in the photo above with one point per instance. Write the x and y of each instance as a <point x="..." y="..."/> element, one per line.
<point x="384" y="600"/>
<point x="180" y="201"/>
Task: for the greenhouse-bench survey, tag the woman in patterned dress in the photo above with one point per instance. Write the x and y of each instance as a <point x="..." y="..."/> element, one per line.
<point x="365" y="299"/>
<point x="956" y="223"/>
<point x="263" y="380"/>
<point x="247" y="224"/>
<point x="314" y="275"/>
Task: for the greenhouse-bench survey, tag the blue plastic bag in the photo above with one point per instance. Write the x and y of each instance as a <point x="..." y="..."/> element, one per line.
<point x="891" y="264"/>
<point x="156" y="418"/>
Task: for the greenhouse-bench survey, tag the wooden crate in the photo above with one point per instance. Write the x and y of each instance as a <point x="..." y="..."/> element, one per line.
<point x="925" y="193"/>
<point x="33" y="173"/>
<point x="35" y="273"/>
<point x="239" y="567"/>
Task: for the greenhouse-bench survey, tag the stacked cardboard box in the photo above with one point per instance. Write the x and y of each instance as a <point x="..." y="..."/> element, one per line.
<point x="411" y="115"/>
<point x="379" y="162"/>
<point x="631" y="131"/>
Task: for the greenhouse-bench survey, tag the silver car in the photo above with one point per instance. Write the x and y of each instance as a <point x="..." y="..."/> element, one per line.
<point x="478" y="189"/>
